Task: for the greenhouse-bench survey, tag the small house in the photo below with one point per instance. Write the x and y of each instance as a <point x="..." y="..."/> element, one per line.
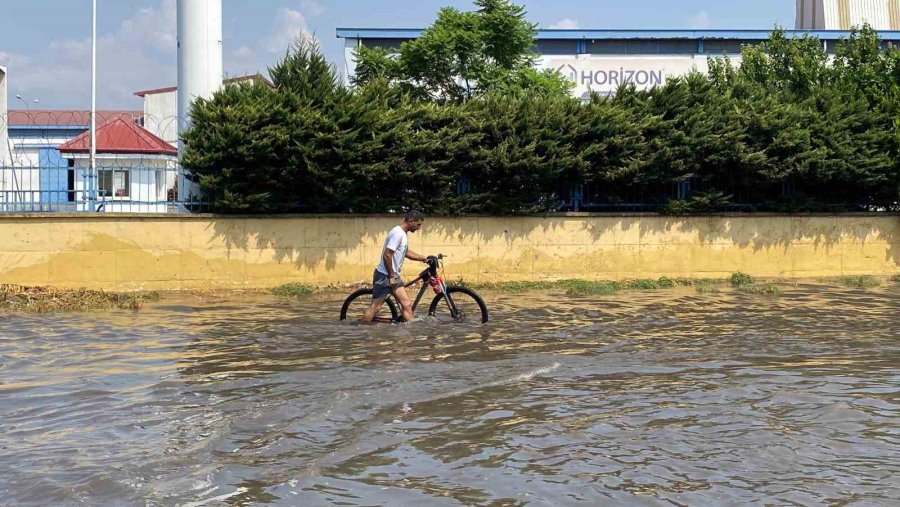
<point x="135" y="168"/>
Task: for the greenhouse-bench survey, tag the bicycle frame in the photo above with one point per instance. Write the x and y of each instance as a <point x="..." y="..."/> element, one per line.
<point x="426" y="276"/>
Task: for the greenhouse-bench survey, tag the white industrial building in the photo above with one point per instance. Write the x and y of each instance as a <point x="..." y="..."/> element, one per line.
<point x="844" y="14"/>
<point x="601" y="60"/>
<point x="161" y="107"/>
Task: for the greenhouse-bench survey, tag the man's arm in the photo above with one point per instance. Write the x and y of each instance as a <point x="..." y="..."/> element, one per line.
<point x="388" y="259"/>
<point x="413" y="256"/>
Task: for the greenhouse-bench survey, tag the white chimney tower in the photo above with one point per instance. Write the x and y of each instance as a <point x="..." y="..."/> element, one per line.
<point x="844" y="14"/>
<point x="199" y="52"/>
<point x="199" y="60"/>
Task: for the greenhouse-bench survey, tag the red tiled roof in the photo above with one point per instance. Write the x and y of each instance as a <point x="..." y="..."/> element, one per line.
<point x="252" y="77"/>
<point x="64" y="117"/>
<point x="121" y="137"/>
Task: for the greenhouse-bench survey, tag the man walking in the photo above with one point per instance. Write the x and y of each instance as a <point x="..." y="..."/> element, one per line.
<point x="387" y="280"/>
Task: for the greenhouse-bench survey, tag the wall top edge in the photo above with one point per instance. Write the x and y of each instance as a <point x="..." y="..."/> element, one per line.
<point x="213" y="216"/>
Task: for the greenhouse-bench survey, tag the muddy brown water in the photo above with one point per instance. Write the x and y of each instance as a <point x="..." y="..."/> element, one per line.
<point x="640" y="398"/>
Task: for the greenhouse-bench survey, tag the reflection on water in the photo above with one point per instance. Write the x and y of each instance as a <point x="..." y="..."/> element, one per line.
<point x="648" y="398"/>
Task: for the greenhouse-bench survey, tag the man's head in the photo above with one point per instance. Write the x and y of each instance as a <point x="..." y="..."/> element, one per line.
<point x="412" y="222"/>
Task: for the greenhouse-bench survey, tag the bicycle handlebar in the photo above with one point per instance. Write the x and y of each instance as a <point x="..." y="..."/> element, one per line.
<point x="431" y="271"/>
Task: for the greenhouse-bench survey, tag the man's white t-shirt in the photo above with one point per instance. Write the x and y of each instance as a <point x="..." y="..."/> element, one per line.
<point x="398" y="242"/>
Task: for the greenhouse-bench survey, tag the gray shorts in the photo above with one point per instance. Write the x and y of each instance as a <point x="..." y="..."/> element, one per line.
<point x="381" y="285"/>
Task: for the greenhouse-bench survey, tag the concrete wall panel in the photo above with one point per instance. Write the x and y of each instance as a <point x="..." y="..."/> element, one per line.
<point x="142" y="252"/>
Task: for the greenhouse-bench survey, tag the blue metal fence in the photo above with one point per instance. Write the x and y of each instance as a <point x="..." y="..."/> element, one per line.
<point x="126" y="188"/>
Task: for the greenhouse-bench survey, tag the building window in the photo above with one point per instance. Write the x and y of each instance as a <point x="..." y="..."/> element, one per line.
<point x="391" y="45"/>
<point x="114" y="183"/>
<point x="606" y="47"/>
<point x="718" y="47"/>
<point x="642" y="47"/>
<point x="678" y="47"/>
<point x="556" y="47"/>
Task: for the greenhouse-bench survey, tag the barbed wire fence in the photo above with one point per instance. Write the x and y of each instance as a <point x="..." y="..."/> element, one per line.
<point x="45" y="164"/>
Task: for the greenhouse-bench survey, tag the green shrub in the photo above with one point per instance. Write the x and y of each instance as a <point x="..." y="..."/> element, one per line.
<point x="860" y="282"/>
<point x="290" y="290"/>
<point x="740" y="279"/>
<point x="707" y="286"/>
<point x="666" y="283"/>
<point x="767" y="289"/>
<point x="701" y="202"/>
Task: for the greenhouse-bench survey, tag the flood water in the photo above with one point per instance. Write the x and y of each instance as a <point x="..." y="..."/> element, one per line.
<point x="640" y="398"/>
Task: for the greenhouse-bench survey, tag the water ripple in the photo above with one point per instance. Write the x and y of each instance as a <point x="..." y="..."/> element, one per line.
<point x="655" y="398"/>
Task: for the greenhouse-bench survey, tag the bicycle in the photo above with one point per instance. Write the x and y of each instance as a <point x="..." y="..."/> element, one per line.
<point x="461" y="304"/>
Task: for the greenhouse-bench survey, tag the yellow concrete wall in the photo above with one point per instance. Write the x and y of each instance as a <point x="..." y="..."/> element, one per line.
<point x="118" y="252"/>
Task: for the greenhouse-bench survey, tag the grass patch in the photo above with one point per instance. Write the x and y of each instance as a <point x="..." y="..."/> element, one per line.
<point x="641" y="284"/>
<point x="666" y="283"/>
<point x="582" y="287"/>
<point x="763" y="289"/>
<point x="746" y="283"/>
<point x="741" y="279"/>
<point x="706" y="286"/>
<point x="859" y="282"/>
<point x="509" y="287"/>
<point x="290" y="290"/>
<point x="655" y="284"/>
<point x="895" y="278"/>
<point x="587" y="288"/>
<point x="17" y="298"/>
<point x="743" y="282"/>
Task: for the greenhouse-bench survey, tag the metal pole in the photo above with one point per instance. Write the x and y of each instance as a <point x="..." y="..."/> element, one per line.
<point x="92" y="179"/>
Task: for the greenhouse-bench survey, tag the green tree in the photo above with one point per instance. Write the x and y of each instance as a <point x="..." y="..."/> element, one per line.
<point x="234" y="149"/>
<point x="464" y="55"/>
<point x="787" y="65"/>
<point x="863" y="68"/>
<point x="257" y="149"/>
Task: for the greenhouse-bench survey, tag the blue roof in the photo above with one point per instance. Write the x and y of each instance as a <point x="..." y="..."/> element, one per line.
<point x="413" y="33"/>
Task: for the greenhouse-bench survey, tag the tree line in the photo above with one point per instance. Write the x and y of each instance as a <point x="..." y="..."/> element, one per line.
<point x="460" y="122"/>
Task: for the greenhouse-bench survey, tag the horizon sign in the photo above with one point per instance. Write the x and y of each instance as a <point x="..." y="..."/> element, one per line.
<point x="605" y="75"/>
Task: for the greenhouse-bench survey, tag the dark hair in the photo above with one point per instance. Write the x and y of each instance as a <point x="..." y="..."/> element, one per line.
<point x="413" y="216"/>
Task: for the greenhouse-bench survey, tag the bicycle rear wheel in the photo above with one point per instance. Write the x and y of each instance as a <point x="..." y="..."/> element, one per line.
<point x="356" y="304"/>
<point x="469" y="306"/>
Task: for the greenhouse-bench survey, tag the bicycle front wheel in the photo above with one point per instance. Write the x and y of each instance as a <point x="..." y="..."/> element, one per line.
<point x="356" y="304"/>
<point x="469" y="307"/>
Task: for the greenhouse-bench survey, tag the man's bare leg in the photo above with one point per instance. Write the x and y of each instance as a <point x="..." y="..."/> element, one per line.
<point x="372" y="311"/>
<point x="405" y="302"/>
